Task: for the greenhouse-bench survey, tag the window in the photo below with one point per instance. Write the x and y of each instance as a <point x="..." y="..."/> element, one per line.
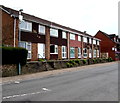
<point x="53" y="49"/>
<point x="25" y="25"/>
<point x="53" y="32"/>
<point x="97" y="53"/>
<point x="72" y="37"/>
<point x="85" y="39"/>
<point x="79" y="52"/>
<point x="90" y="53"/>
<point x="41" y="50"/>
<point x="72" y="52"/>
<point x="63" y="51"/>
<point x="94" y="53"/>
<point x="79" y="38"/>
<point x="85" y="52"/>
<point x="90" y="40"/>
<point x="26" y="45"/>
<point x="98" y="43"/>
<point x="94" y="41"/>
<point x="42" y="29"/>
<point x="64" y="35"/>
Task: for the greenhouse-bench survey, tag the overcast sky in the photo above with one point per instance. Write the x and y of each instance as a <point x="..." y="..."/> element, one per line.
<point x="83" y="15"/>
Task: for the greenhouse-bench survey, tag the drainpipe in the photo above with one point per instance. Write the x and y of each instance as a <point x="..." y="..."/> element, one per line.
<point x="14" y="30"/>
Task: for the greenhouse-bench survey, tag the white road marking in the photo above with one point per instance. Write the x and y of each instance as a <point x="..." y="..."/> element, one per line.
<point x="20" y="95"/>
<point x="17" y="82"/>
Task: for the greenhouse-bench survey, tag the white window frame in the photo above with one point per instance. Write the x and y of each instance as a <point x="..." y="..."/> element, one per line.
<point x="90" y="40"/>
<point x="72" y="36"/>
<point x="98" y="53"/>
<point x="85" y="39"/>
<point x="26" y="47"/>
<point x="41" y="29"/>
<point x="98" y="42"/>
<point x="94" y="53"/>
<point x="94" y="41"/>
<point x="90" y="53"/>
<point x="79" y="52"/>
<point x="64" y="53"/>
<point x="64" y="35"/>
<point x="85" y="54"/>
<point x="53" y="32"/>
<point x="79" y="38"/>
<point x="25" y="25"/>
<point x="70" y="52"/>
<point x="43" y="50"/>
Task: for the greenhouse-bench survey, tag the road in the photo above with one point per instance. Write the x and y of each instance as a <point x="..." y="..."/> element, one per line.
<point x="90" y="84"/>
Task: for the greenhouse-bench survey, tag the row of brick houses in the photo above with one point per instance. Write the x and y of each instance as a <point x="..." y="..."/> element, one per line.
<point x="46" y="39"/>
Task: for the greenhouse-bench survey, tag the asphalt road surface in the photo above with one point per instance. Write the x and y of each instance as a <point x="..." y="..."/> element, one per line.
<point x="90" y="84"/>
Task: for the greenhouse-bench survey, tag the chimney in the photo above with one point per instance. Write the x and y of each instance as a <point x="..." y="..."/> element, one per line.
<point x="84" y="32"/>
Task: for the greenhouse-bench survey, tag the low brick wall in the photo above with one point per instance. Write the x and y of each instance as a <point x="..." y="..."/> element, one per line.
<point x="37" y="66"/>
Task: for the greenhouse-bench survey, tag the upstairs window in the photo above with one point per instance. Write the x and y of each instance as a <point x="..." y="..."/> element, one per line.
<point x="25" y="25"/>
<point x="90" y="40"/>
<point x="79" y="38"/>
<point x="54" y="32"/>
<point x="72" y="36"/>
<point x="94" y="41"/>
<point x="84" y="39"/>
<point x="53" y="49"/>
<point x="98" y="42"/>
<point x="41" y="29"/>
<point x="64" y="36"/>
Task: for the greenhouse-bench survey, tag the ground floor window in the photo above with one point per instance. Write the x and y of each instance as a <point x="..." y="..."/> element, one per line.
<point x="63" y="51"/>
<point x="79" y="52"/>
<point x="26" y="45"/>
<point x="72" y="52"/>
<point x="90" y="53"/>
<point x="97" y="53"/>
<point x="94" y="53"/>
<point x="85" y="52"/>
<point x="53" y="49"/>
<point x="41" y="50"/>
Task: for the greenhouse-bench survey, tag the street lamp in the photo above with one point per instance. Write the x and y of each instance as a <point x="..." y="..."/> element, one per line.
<point x="20" y="20"/>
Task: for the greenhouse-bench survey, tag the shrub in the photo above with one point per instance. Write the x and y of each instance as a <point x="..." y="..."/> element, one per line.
<point x="69" y="64"/>
<point x="110" y="59"/>
<point x="77" y="61"/>
<point x="84" y="61"/>
<point x="14" y="55"/>
<point x="41" y="60"/>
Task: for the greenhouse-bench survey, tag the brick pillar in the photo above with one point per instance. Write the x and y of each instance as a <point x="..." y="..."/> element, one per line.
<point x="17" y="33"/>
<point x="88" y="51"/>
<point x="68" y="45"/>
<point x="34" y="52"/>
<point x="59" y="52"/>
<point x="47" y="43"/>
<point x="82" y="48"/>
<point x="76" y="52"/>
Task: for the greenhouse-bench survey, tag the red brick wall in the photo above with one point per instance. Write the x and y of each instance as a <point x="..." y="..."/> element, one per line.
<point x="106" y="44"/>
<point x="75" y="43"/>
<point x="34" y="52"/>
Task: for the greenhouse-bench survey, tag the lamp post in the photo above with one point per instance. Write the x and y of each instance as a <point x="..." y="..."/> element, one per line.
<point x="19" y="39"/>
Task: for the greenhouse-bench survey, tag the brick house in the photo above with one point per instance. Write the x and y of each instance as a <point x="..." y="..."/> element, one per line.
<point x="46" y="39"/>
<point x="110" y="44"/>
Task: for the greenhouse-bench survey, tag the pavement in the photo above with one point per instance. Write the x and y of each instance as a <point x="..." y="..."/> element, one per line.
<point x="97" y="82"/>
<point x="48" y="73"/>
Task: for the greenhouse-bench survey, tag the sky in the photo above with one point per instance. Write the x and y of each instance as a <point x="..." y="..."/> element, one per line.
<point x="82" y="15"/>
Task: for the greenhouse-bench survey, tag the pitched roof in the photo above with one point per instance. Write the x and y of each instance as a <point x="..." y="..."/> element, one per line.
<point x="45" y="22"/>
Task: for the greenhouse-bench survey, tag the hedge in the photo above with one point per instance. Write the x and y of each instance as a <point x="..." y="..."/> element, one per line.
<point x="14" y="55"/>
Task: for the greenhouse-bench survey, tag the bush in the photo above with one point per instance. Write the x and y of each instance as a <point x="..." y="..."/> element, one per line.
<point x="110" y="59"/>
<point x="84" y="61"/>
<point x="14" y="55"/>
<point x="69" y="65"/>
<point x="41" y="60"/>
<point x="78" y="61"/>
